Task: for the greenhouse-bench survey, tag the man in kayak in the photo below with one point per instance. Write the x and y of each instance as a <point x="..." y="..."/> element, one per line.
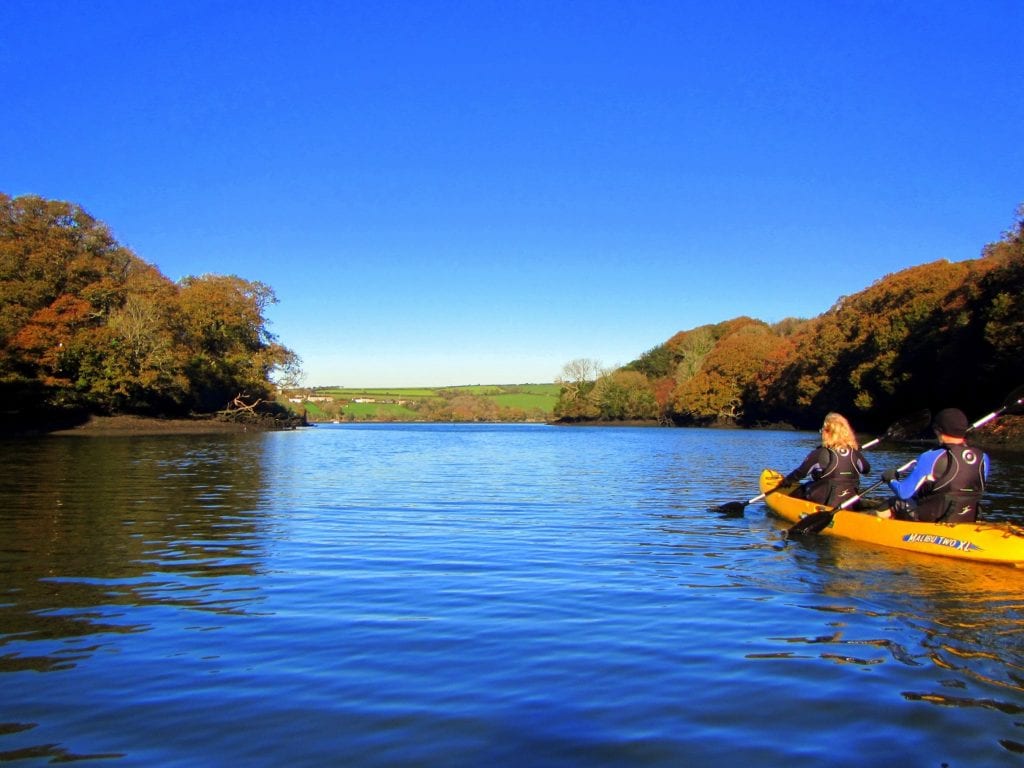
<point x="835" y="466"/>
<point x="947" y="482"/>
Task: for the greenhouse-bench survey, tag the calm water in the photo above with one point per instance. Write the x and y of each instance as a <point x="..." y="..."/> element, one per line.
<point x="396" y="595"/>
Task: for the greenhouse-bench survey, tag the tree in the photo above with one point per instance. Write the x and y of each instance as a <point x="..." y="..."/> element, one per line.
<point x="717" y="393"/>
<point x="625" y="395"/>
<point x="61" y="275"/>
<point x="146" y="355"/>
<point x="691" y="348"/>
<point x="1001" y="307"/>
<point x="654" y="363"/>
<point x="232" y="350"/>
<point x="875" y="354"/>
<point x="927" y="336"/>
<point x="577" y="383"/>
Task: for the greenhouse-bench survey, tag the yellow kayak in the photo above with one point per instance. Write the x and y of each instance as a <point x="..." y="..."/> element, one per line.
<point x="981" y="542"/>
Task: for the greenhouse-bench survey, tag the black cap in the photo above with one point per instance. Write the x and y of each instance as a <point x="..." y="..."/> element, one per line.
<point x="950" y="421"/>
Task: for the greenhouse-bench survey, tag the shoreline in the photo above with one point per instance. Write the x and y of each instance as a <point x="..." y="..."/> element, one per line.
<point x="112" y="426"/>
<point x="1008" y="435"/>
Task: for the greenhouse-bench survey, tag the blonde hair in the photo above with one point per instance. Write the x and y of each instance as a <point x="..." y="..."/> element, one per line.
<point x="836" y="432"/>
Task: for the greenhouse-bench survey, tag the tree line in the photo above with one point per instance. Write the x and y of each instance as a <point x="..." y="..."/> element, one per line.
<point x="86" y="325"/>
<point x="933" y="335"/>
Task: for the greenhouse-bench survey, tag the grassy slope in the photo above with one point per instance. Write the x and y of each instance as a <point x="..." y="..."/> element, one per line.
<point x="526" y="397"/>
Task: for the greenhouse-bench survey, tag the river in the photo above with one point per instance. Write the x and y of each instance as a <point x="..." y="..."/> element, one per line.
<point x="480" y="595"/>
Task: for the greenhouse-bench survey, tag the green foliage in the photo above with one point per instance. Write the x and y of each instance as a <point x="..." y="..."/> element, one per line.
<point x="690" y="351"/>
<point x="654" y="363"/>
<point x="625" y="395"/>
<point x="378" y="412"/>
<point x="475" y="403"/>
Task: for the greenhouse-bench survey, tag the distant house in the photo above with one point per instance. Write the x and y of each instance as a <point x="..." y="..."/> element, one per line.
<point x="364" y="400"/>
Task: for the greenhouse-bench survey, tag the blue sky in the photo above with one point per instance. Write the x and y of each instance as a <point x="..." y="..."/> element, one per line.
<point x="479" y="192"/>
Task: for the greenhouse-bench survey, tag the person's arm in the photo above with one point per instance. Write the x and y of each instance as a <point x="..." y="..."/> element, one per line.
<point x="861" y="462"/>
<point x="810" y="461"/>
<point x="921" y="473"/>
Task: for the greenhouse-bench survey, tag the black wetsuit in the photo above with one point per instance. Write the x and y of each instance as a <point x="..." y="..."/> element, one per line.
<point x="946" y="485"/>
<point x="835" y="475"/>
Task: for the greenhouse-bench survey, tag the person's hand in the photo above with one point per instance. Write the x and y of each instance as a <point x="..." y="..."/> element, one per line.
<point x="890" y="474"/>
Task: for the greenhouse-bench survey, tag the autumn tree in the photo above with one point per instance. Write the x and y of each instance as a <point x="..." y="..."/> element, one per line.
<point x="86" y="323"/>
<point x="62" y="274"/>
<point x="717" y="392"/>
<point x="232" y="351"/>
<point x="1001" y="303"/>
<point x="881" y="352"/>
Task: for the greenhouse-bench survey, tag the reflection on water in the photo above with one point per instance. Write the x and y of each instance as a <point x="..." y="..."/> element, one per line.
<point x="465" y="595"/>
<point x="96" y="529"/>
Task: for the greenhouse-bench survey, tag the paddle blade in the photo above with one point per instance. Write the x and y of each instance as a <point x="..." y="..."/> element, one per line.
<point x="813" y="523"/>
<point x="1014" y="402"/>
<point x="729" y="509"/>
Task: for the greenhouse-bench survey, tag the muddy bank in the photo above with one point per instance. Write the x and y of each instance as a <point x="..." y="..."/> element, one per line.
<point x="104" y="426"/>
<point x="139" y="425"/>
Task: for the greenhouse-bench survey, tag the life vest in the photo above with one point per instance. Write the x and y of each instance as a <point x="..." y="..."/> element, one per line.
<point x="954" y="495"/>
<point x="838" y="480"/>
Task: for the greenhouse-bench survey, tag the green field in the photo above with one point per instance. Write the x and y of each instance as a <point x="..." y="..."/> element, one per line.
<point x="478" y="402"/>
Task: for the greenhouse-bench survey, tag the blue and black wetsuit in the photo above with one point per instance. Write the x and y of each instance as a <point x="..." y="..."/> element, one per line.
<point x="945" y="485"/>
<point x="835" y="475"/>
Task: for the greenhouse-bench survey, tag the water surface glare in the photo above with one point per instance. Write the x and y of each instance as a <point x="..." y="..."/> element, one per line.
<point x="466" y="595"/>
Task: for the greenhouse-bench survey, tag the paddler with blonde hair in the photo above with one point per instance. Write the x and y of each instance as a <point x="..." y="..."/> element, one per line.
<point x="835" y="466"/>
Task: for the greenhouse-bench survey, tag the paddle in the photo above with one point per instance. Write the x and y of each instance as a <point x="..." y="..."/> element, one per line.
<point x="818" y="521"/>
<point x="896" y="431"/>
<point x="1012" y="401"/>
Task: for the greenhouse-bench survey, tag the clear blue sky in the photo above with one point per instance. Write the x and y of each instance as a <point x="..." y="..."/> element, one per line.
<point x="479" y="192"/>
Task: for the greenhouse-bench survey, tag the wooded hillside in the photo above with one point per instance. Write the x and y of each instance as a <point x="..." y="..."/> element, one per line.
<point x="87" y="325"/>
<point x="934" y="335"/>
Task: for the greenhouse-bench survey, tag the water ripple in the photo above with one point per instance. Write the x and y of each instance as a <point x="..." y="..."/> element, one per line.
<point x="466" y="594"/>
